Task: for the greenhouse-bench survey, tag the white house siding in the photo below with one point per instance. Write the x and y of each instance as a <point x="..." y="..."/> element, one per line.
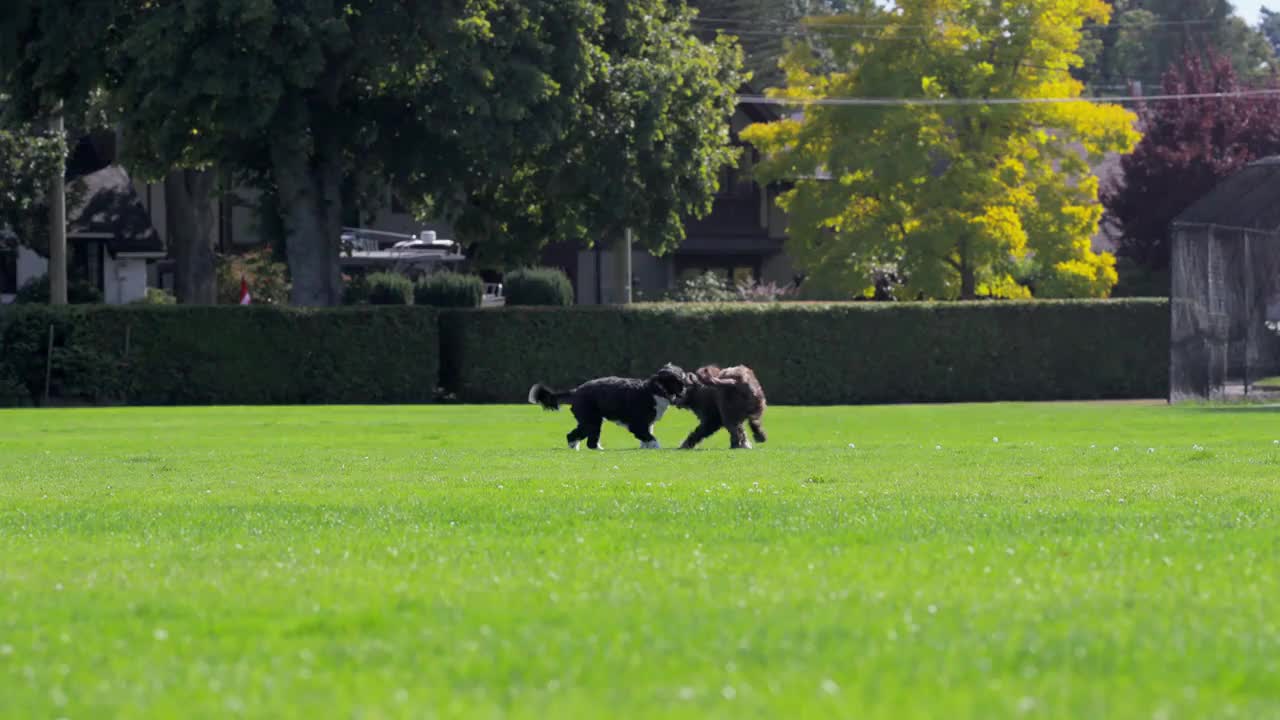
<point x="124" y="279"/>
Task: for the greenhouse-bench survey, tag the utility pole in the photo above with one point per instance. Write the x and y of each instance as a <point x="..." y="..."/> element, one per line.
<point x="58" y="220"/>
<point x="624" y="268"/>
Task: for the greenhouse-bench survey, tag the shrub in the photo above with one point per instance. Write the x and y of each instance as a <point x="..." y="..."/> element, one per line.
<point x="156" y="296"/>
<point x="390" y="289"/>
<point x="268" y="280"/>
<point x="537" y="286"/>
<point x="355" y="290"/>
<point x="197" y="355"/>
<point x="449" y="289"/>
<point x="36" y="292"/>
<point x="12" y="392"/>
<point x="826" y="354"/>
<point x="714" y="288"/>
<point x="705" y="288"/>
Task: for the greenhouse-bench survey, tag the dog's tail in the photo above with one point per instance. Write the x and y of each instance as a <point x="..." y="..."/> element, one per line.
<point x="549" y="399"/>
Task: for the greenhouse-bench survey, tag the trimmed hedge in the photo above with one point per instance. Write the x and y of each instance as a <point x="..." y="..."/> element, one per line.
<point x="537" y="286"/>
<point x="387" y="288"/>
<point x="449" y="289"/>
<point x="804" y="354"/>
<point x="256" y="355"/>
<point x="825" y="354"/>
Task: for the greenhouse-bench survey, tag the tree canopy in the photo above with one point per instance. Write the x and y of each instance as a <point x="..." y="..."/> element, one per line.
<point x="645" y="138"/>
<point x="1187" y="147"/>
<point x="949" y="195"/>
<point x="445" y="99"/>
<point x="28" y="159"/>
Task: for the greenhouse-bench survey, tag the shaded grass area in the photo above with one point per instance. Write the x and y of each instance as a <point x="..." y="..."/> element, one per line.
<point x="1055" y="560"/>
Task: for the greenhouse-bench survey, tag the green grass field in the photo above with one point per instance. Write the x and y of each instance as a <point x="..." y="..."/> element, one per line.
<point x="1110" y="560"/>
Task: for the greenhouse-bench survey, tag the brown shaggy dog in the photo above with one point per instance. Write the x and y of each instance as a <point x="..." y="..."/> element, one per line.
<point x="724" y="398"/>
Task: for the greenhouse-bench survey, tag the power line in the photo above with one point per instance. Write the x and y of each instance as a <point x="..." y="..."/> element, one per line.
<point x="840" y="27"/>
<point x="909" y="102"/>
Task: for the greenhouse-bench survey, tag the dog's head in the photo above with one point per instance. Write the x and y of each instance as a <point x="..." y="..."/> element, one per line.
<point x="670" y="382"/>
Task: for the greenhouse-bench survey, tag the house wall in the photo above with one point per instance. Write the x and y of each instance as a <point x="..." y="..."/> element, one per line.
<point x="30" y="265"/>
<point x="650" y="276"/>
<point x="124" y="280"/>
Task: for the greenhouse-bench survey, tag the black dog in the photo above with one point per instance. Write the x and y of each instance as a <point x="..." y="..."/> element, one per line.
<point x="724" y="398"/>
<point x="631" y="403"/>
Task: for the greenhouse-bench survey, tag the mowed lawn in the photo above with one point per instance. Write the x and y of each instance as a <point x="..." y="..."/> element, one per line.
<point x="969" y="561"/>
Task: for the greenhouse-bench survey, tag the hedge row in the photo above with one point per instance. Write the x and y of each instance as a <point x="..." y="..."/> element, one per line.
<point x="825" y="354"/>
<point x="809" y="354"/>
<point x="259" y="355"/>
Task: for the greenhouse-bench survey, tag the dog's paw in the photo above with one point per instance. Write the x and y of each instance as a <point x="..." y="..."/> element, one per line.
<point x="650" y="445"/>
<point x="575" y="445"/>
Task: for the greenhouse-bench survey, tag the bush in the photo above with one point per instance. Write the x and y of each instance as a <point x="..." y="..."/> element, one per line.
<point x="156" y="296"/>
<point x="537" y="286"/>
<point x="390" y="289"/>
<point x="705" y="288"/>
<point x="825" y="354"/>
<point x="355" y="290"/>
<point x="36" y="292"/>
<point x="12" y="392"/>
<point x="715" y="288"/>
<point x="450" y="290"/>
<point x="268" y="280"/>
<point x="256" y="355"/>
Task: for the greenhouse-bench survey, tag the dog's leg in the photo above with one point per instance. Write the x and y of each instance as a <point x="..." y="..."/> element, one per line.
<point x="705" y="429"/>
<point x="757" y="430"/>
<point x="593" y="437"/>
<point x="575" y="437"/>
<point x="644" y="433"/>
<point x="738" y="438"/>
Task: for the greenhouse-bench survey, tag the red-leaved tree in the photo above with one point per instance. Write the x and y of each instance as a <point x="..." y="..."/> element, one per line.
<point x="1187" y="147"/>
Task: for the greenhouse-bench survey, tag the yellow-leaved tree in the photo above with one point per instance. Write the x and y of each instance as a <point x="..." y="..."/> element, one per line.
<point x="961" y="186"/>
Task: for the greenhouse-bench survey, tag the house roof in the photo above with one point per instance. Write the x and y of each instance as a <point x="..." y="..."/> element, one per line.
<point x="1248" y="200"/>
<point x="109" y="208"/>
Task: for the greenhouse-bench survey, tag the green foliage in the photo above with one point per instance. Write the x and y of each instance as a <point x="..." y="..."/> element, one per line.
<point x="386" y="288"/>
<point x="197" y="355"/>
<point x="705" y="288"/>
<point x="355" y="290"/>
<point x="824" y="354"/>
<point x="267" y="278"/>
<point x="713" y="287"/>
<point x="157" y="296"/>
<point x="449" y="289"/>
<point x="36" y="291"/>
<point x="28" y="160"/>
<point x="945" y="194"/>
<point x="641" y="147"/>
<point x="537" y="286"/>
<point x="12" y="392"/>
<point x="1145" y="37"/>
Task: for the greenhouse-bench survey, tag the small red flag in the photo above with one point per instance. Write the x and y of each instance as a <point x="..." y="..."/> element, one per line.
<point x="244" y="291"/>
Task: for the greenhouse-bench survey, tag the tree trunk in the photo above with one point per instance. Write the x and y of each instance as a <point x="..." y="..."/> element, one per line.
<point x="968" y="277"/>
<point x="188" y="199"/>
<point x="968" y="283"/>
<point x="311" y="207"/>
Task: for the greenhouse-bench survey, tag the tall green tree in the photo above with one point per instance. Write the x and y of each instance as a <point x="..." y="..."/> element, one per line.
<point x="1145" y="37"/>
<point x="762" y="27"/>
<point x="643" y="144"/>
<point x="1270" y="28"/>
<point x="28" y="158"/>
<point x="948" y="194"/>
